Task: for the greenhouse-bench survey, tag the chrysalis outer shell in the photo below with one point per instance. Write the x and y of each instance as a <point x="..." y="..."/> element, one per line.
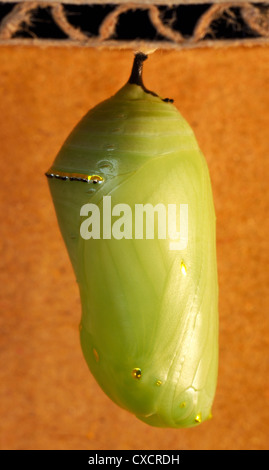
<point x="140" y="311"/>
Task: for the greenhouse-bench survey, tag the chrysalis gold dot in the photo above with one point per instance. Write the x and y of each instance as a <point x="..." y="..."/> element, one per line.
<point x="95" y="179"/>
<point x="136" y="373"/>
<point x="96" y="355"/>
<point x="198" y="418"/>
<point x="183" y="268"/>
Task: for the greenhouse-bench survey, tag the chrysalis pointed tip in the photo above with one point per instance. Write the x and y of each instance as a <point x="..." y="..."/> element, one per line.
<point x="136" y="74"/>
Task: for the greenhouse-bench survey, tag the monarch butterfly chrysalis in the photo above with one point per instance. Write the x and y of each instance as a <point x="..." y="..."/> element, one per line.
<point x="149" y="326"/>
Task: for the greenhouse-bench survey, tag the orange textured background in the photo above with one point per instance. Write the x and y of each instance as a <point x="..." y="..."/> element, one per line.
<point x="49" y="400"/>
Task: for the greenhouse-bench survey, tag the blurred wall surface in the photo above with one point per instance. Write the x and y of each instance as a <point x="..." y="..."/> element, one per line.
<point x="49" y="400"/>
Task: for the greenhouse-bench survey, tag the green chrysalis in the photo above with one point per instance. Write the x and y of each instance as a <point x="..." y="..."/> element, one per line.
<point x="146" y="268"/>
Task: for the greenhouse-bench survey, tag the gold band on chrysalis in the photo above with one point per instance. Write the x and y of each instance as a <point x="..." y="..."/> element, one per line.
<point x="96" y="179"/>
